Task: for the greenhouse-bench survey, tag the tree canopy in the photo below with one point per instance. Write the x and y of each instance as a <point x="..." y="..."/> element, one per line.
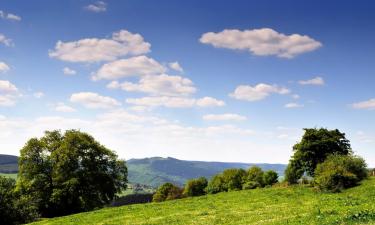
<point x="69" y="172"/>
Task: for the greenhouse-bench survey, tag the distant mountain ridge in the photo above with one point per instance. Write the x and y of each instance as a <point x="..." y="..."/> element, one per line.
<point x="155" y="171"/>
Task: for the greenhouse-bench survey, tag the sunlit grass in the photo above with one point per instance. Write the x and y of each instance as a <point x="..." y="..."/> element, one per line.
<point x="292" y="205"/>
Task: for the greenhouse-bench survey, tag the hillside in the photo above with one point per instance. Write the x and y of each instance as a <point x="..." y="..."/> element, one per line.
<point x="293" y="205"/>
<point x="155" y="171"/>
<point x="8" y="164"/>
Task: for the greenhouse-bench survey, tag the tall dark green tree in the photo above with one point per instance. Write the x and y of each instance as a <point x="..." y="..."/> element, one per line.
<point x="69" y="172"/>
<point x="316" y="145"/>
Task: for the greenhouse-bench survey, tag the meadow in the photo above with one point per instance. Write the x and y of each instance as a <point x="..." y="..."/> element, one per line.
<point x="10" y="175"/>
<point x="277" y="205"/>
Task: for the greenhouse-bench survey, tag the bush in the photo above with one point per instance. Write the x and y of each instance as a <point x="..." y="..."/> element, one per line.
<point x="270" y="177"/>
<point x="233" y="179"/>
<point x="293" y="172"/>
<point x="167" y="191"/>
<point x="14" y="209"/>
<point x="196" y="187"/>
<point x="254" y="178"/>
<point x="137" y="198"/>
<point x="216" y="185"/>
<point x="339" y="172"/>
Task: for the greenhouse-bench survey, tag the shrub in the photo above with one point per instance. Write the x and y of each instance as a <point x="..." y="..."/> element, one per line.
<point x="233" y="179"/>
<point x="293" y="172"/>
<point x="167" y="191"/>
<point x="216" y="185"/>
<point x="14" y="209"/>
<point x="270" y="177"/>
<point x="339" y="172"/>
<point x="254" y="178"/>
<point x="196" y="187"/>
<point x="132" y="199"/>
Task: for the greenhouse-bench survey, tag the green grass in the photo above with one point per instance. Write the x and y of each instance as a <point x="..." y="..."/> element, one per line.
<point x="11" y="175"/>
<point x="293" y="205"/>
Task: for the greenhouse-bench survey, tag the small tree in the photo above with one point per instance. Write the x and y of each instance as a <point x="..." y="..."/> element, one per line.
<point x="339" y="172"/>
<point x="254" y="178"/>
<point x="270" y="177"/>
<point x="167" y="191"/>
<point x="216" y="184"/>
<point x="233" y="179"/>
<point x="69" y="173"/>
<point x="196" y="187"/>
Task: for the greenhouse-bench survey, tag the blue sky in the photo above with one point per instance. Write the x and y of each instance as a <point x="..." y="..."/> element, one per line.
<point x="202" y="80"/>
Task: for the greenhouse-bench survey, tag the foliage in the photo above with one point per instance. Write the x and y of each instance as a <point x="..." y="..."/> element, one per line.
<point x="130" y="199"/>
<point x="69" y="173"/>
<point x="216" y="184"/>
<point x="233" y="179"/>
<point x="14" y="209"/>
<point x="316" y="145"/>
<point x="292" y="205"/>
<point x="167" y="191"/>
<point x="270" y="177"/>
<point x="254" y="178"/>
<point x="195" y="187"/>
<point x="339" y="172"/>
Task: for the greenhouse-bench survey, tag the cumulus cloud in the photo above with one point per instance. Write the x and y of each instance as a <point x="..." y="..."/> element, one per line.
<point x="5" y="41"/>
<point x="293" y="105"/>
<point x="258" y="92"/>
<point x="369" y="104"/>
<point x="313" y="81"/>
<point x="164" y="85"/>
<point x="175" y="66"/>
<point x="135" y="66"/>
<point x="89" y="50"/>
<point x="98" y="6"/>
<point x="9" y="16"/>
<point x="209" y="102"/>
<point x="93" y="100"/>
<point x="4" y="67"/>
<point x="262" y="42"/>
<point x="62" y="107"/>
<point x="68" y="71"/>
<point x="174" y="102"/>
<point x="8" y="93"/>
<point x="224" y="117"/>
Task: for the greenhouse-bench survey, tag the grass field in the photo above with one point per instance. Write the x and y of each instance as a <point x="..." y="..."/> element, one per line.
<point x="293" y="205"/>
<point x="11" y="175"/>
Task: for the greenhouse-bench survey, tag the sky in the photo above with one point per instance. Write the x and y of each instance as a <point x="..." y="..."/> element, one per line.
<point x="233" y="81"/>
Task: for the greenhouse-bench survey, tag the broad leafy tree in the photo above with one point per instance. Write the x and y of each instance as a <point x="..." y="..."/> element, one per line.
<point x="167" y="191"/>
<point x="69" y="172"/>
<point x="195" y="187"/>
<point x="316" y="145"/>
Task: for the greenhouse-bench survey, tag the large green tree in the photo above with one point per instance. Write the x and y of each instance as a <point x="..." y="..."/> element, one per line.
<point x="316" y="145"/>
<point x="69" y="172"/>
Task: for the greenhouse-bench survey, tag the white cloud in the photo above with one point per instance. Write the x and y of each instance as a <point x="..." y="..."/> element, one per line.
<point x="295" y="96"/>
<point x="293" y="105"/>
<point x="313" y="81"/>
<point x="174" y="102"/>
<point x="258" y="92"/>
<point x="209" y="102"/>
<point x="38" y="94"/>
<point x="62" y="107"/>
<point x="369" y="104"/>
<point x="98" y="6"/>
<point x="224" y="117"/>
<point x="9" y="16"/>
<point x="161" y="85"/>
<point x="93" y="100"/>
<point x="91" y="50"/>
<point x="4" y="67"/>
<point x="8" y="93"/>
<point x="5" y="41"/>
<point x="175" y="66"/>
<point x="68" y="71"/>
<point x="262" y="42"/>
<point x="135" y="66"/>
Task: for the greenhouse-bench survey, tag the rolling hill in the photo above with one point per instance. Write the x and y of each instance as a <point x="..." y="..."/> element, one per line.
<point x="277" y="205"/>
<point x="156" y="171"/>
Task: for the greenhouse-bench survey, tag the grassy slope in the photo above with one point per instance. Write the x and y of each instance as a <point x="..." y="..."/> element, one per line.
<point x="295" y="205"/>
<point x="11" y="175"/>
